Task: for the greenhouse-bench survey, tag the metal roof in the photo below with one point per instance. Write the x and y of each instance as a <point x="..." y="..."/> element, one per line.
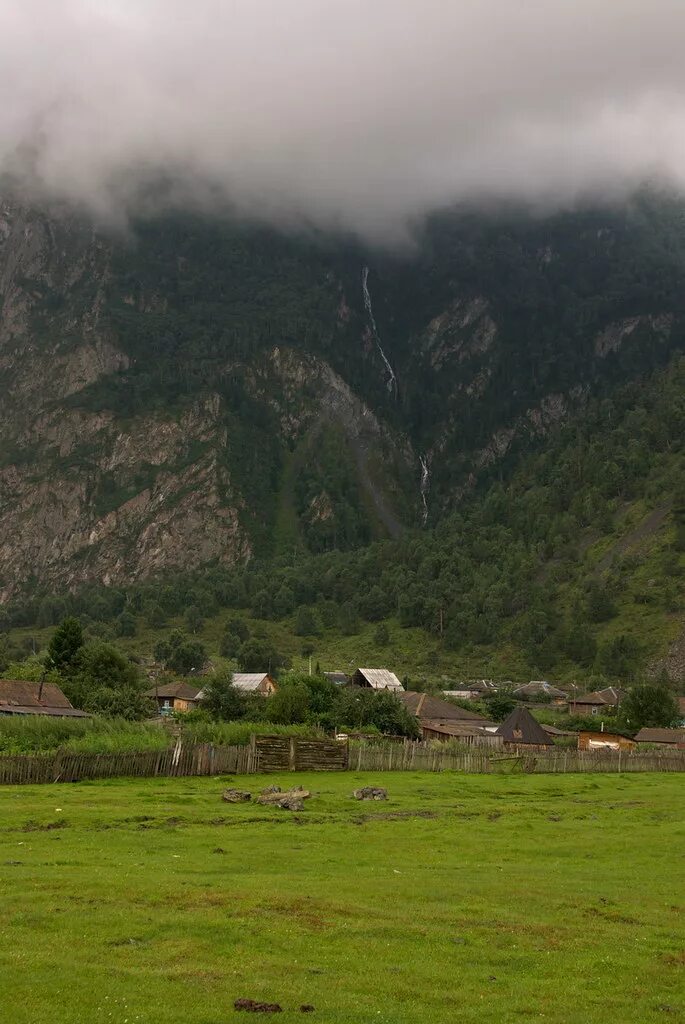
<point x="249" y="680"/>
<point x="379" y="678"/>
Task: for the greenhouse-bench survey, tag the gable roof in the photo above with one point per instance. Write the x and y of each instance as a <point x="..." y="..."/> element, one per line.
<point x="422" y="705"/>
<point x="20" y="697"/>
<point x="538" y="687"/>
<point x="591" y="698"/>
<point x="249" y="680"/>
<point x="675" y="736"/>
<point x="379" y="678"/>
<point x="181" y="689"/>
<point x="521" y="727"/>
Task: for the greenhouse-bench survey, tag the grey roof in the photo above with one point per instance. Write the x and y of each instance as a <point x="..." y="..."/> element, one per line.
<point x="521" y="727"/>
<point x="378" y="678"/>
<point x="248" y="680"/>
<point x="538" y="687"/>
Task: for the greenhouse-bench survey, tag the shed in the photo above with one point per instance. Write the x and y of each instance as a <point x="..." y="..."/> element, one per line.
<point x="254" y="682"/>
<point x="466" y="732"/>
<point x="376" y="679"/>
<point x="520" y="729"/>
<point x="20" y="697"/>
<point x="606" y="701"/>
<point x="174" y="696"/>
<point x="604" y="741"/>
<point x="674" y="738"/>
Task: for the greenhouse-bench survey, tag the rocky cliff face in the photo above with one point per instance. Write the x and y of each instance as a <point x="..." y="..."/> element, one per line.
<point x="194" y="393"/>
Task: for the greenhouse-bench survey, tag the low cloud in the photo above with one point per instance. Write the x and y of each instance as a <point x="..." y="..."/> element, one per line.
<point x="345" y="114"/>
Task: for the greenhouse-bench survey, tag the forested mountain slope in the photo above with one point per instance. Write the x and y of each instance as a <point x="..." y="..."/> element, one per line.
<point x="199" y="392"/>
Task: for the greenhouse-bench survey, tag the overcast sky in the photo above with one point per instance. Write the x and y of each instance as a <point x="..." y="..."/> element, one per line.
<point x="364" y="114"/>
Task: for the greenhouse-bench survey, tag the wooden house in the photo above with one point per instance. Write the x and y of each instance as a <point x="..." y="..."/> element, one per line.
<point x="441" y="719"/>
<point x="600" y="741"/>
<point x="174" y="696"/>
<point x="20" y="697"/>
<point x="606" y="701"/>
<point x="339" y="678"/>
<point x="376" y="679"/>
<point x="521" y="730"/>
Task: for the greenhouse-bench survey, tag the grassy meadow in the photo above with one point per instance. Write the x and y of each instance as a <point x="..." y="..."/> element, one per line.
<point x="463" y="898"/>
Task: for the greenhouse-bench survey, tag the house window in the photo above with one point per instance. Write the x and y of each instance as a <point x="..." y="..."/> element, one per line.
<point x="166" y="706"/>
<point x="518" y="735"/>
<point x="595" y="711"/>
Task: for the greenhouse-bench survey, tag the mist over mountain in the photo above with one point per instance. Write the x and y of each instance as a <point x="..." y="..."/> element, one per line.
<point x="341" y="114"/>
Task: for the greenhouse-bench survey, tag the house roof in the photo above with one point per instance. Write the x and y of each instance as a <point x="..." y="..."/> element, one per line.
<point x="521" y="727"/>
<point x="454" y="728"/>
<point x="182" y="690"/>
<point x="422" y="705"/>
<point x="20" y="697"/>
<point x="537" y="687"/>
<point x="661" y="736"/>
<point x="552" y="730"/>
<point x="248" y="680"/>
<point x="592" y="698"/>
<point x="379" y="678"/>
<point x="612" y="694"/>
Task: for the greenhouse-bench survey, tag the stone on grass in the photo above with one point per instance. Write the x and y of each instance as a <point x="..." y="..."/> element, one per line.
<point x="370" y="793"/>
<point x="236" y="796"/>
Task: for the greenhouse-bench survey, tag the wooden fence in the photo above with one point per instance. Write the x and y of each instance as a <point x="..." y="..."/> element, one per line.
<point x="263" y="754"/>
<point x="282" y="754"/>
<point x="421" y="756"/>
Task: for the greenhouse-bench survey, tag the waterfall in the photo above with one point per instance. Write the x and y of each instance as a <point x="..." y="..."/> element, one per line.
<point x="424" y="486"/>
<point x="392" y="379"/>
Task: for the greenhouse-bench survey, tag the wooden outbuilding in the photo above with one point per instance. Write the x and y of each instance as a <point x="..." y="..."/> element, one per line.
<point x="376" y="679"/>
<point x="606" y="701"/>
<point x="20" y="697"/>
<point x="521" y="730"/>
<point x="255" y="682"/>
<point x="604" y="741"/>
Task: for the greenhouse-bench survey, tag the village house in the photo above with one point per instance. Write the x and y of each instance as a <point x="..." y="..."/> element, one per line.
<point x="521" y="731"/>
<point x="672" y="738"/>
<point x="539" y="689"/>
<point x="376" y="679"/>
<point x="174" y="696"/>
<point x="604" y="741"/>
<point x="441" y="719"/>
<point x="19" y="697"/>
<point x="606" y="701"/>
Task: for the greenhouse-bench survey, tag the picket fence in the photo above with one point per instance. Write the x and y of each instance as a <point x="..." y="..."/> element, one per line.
<point x="279" y="754"/>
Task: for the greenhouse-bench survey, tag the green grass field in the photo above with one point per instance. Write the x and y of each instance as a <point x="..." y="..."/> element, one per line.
<point x="463" y="898"/>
